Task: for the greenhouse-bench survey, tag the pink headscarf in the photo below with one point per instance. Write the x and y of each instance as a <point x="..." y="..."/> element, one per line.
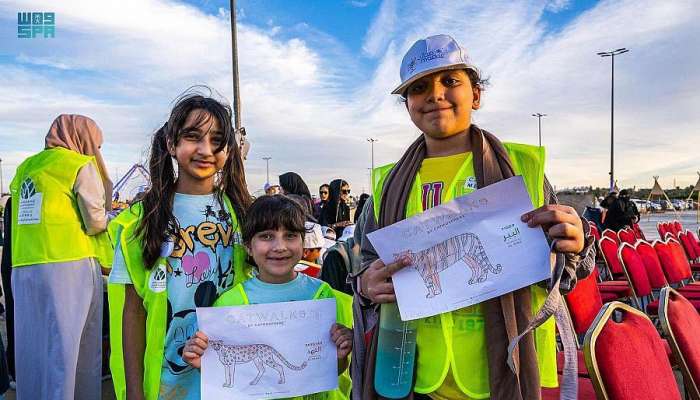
<point x="82" y="135"/>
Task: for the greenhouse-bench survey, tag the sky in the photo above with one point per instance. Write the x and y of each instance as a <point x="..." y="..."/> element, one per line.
<point x="316" y="77"/>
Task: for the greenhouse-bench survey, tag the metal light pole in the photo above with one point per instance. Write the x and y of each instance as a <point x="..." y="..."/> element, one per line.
<point x="239" y="130"/>
<point x="267" y="167"/>
<point x="539" y="124"/>
<point x="612" y="55"/>
<point x="371" y="141"/>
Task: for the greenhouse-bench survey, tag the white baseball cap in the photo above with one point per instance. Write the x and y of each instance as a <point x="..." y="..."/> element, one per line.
<point x="429" y="55"/>
<point x="313" y="238"/>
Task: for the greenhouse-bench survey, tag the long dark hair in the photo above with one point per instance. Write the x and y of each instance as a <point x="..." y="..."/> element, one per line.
<point x="157" y="222"/>
<point x="360" y="206"/>
<point x="292" y="183"/>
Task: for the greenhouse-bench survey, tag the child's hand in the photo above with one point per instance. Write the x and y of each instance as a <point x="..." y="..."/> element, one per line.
<point x="194" y="348"/>
<point x="342" y="337"/>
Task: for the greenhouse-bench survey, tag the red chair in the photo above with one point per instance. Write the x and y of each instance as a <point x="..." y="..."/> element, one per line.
<point x="687" y="244"/>
<point x="612" y="235"/>
<point x="638" y="231"/>
<point x="609" y="249"/>
<point x="671" y="262"/>
<point x="681" y="324"/>
<point x="627" y="359"/>
<point x="677" y="227"/>
<point x="636" y="273"/>
<point x="661" y="228"/>
<point x="655" y="272"/>
<point x="584" y="302"/>
<point x="693" y="241"/>
<point x="627" y="236"/>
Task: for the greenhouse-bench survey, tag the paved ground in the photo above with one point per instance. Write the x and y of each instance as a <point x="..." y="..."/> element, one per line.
<point x="648" y="225"/>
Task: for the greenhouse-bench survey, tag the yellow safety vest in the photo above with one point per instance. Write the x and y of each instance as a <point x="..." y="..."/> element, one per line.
<point x="151" y="286"/>
<point x="439" y="348"/>
<point x="47" y="226"/>
<point x="237" y="296"/>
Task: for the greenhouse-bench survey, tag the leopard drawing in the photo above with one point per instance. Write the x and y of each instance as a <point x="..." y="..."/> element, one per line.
<point x="261" y="354"/>
<point x="465" y="247"/>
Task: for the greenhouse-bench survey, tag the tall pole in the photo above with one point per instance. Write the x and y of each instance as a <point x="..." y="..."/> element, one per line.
<point x="539" y="124"/>
<point x="2" y="184"/>
<point x="267" y="167"/>
<point x="371" y="141"/>
<point x="234" y="62"/>
<point x="612" y="55"/>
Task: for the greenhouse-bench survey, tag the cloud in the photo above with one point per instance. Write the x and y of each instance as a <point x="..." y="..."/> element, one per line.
<point x="310" y="103"/>
<point x="556" y="6"/>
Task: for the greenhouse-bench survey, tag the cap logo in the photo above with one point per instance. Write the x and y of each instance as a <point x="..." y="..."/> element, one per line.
<point x="427" y="56"/>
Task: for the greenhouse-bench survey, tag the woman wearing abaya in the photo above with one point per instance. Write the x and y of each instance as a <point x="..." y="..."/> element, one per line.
<point x="336" y="212"/>
<point x="59" y="201"/>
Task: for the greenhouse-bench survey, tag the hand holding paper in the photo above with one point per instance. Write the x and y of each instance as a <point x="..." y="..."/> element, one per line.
<point x="461" y="253"/>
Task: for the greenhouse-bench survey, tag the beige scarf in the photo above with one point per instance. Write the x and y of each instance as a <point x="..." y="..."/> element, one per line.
<point x="506" y="316"/>
<point x="82" y="135"/>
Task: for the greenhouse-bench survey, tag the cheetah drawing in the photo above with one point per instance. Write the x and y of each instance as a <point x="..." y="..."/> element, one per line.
<point x="465" y="247"/>
<point x="261" y="354"/>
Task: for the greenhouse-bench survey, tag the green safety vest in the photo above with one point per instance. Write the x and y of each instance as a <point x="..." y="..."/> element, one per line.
<point x="151" y="286"/>
<point x="47" y="226"/>
<point x="439" y="349"/>
<point x="237" y="296"/>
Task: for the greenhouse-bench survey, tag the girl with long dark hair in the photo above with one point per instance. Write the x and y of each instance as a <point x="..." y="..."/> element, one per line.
<point x="177" y="249"/>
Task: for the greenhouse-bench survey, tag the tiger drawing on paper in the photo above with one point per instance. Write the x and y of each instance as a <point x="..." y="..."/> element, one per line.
<point x="437" y="258"/>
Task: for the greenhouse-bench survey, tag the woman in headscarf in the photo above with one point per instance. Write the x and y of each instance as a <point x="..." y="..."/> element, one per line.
<point x="59" y="201"/>
<point x="336" y="212"/>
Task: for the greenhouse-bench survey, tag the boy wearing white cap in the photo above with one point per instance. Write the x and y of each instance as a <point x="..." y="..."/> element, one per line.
<point x="462" y="354"/>
<point x="313" y="242"/>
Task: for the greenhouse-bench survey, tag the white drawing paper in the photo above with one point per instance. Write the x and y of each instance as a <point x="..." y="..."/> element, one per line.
<point x="268" y="351"/>
<point x="466" y="251"/>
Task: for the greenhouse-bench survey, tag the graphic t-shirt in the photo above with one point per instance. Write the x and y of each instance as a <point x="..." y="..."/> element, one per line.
<point x="199" y="268"/>
<point x="437" y="173"/>
<point x="436" y="176"/>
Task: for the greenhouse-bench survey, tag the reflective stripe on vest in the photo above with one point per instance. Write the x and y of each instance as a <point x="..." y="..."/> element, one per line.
<point x="47" y="226"/>
<point x="458" y="339"/>
<point x="237" y="296"/>
<point x="155" y="302"/>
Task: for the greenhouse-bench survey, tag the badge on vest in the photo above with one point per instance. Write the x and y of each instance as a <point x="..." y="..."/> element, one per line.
<point x="29" y="204"/>
<point x="470" y="183"/>
<point x="158" y="282"/>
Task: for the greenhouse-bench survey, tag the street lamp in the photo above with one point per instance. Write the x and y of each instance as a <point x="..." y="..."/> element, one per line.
<point x="539" y="124"/>
<point x="612" y="55"/>
<point x="371" y="141"/>
<point x="267" y="168"/>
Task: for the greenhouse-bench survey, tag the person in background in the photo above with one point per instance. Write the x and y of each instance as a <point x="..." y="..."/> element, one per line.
<point x="60" y="197"/>
<point x="6" y="273"/>
<point x="607" y="202"/>
<point x="313" y="243"/>
<point x="360" y="205"/>
<point x="271" y="190"/>
<point x="323" y="192"/>
<point x="339" y="260"/>
<point x="292" y="183"/>
<point x="622" y="212"/>
<point x="336" y="212"/>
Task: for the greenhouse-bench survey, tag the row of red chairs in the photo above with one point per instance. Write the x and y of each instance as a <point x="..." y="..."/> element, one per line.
<point x="627" y="358"/>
